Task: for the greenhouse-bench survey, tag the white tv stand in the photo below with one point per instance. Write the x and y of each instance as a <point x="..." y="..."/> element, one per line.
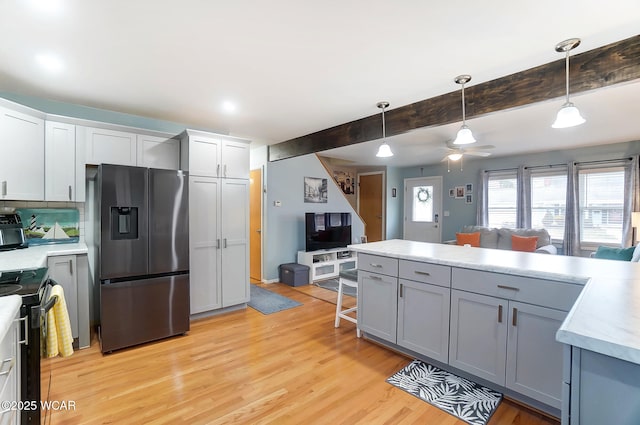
<point x="327" y="263"/>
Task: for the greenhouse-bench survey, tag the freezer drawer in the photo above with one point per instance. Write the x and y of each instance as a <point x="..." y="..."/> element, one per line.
<point x="138" y="311"/>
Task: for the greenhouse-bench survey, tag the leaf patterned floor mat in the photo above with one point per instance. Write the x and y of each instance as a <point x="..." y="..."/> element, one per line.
<point x="468" y="401"/>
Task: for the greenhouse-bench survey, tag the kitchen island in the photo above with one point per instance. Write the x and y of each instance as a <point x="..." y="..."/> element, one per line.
<point x="591" y="305"/>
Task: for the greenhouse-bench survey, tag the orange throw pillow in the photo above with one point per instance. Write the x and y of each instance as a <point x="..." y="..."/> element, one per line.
<point x="524" y="243"/>
<point x="472" y="239"/>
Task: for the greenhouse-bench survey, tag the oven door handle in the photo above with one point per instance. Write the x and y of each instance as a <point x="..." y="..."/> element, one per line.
<point x="40" y="311"/>
<point x="25" y="328"/>
<point x="48" y="305"/>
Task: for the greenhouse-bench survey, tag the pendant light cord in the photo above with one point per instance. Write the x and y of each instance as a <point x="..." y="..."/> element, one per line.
<point x="463" y="111"/>
<point x="383" y="127"/>
<point x="567" y="74"/>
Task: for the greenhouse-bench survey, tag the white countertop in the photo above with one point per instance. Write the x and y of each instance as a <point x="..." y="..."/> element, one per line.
<point x="9" y="306"/>
<point x="604" y="319"/>
<point x="36" y="256"/>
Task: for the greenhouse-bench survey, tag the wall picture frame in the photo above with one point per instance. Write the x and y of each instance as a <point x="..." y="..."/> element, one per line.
<point x="468" y="199"/>
<point x="315" y="190"/>
<point x="468" y="188"/>
<point x="452" y="193"/>
<point x="459" y="192"/>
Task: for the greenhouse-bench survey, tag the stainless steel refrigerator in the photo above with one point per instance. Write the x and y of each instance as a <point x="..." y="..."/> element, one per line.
<point x="143" y="241"/>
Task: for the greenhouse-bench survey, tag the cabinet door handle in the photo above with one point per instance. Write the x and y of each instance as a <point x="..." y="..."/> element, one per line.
<point x="70" y="197"/>
<point x="375" y="277"/>
<point x="422" y="273"/>
<point x="379" y="266"/>
<point x="500" y="314"/>
<point x="5" y="361"/>
<point x="508" y="287"/>
<point x="4" y="188"/>
<point x="71" y="267"/>
<point x="218" y="170"/>
<point x="217" y="243"/>
<point x="514" y="319"/>
<point x="224" y="242"/>
<point x="401" y="290"/>
<point x="224" y="172"/>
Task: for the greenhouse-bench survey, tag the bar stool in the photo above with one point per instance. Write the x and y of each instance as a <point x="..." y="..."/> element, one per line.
<point x="347" y="278"/>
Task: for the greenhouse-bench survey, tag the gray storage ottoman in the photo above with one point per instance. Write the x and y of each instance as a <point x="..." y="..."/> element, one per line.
<point x="294" y="274"/>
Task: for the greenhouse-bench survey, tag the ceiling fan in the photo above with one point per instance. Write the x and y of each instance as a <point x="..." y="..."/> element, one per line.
<point x="456" y="153"/>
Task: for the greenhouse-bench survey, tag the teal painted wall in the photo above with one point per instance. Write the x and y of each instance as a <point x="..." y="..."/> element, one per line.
<point x="395" y="180"/>
<point x="95" y="114"/>
<point x="285" y="224"/>
<point x="462" y="213"/>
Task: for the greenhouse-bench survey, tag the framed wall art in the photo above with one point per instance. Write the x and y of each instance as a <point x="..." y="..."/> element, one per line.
<point x="315" y="190"/>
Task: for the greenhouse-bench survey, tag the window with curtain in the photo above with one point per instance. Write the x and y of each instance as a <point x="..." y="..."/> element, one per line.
<point x="502" y="199"/>
<point x="601" y="194"/>
<point x="549" y="201"/>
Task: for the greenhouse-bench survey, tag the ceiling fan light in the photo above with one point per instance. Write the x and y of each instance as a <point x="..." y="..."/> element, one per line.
<point x="455" y="156"/>
<point x="464" y="136"/>
<point x="568" y="116"/>
<point x="384" y="151"/>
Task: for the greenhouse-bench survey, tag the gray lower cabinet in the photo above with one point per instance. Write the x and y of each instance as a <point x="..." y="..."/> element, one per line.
<point x="498" y="327"/>
<point x="478" y="335"/>
<point x="534" y="357"/>
<point x="423" y="319"/>
<point x="604" y="390"/>
<point x="377" y="304"/>
<point x="509" y="343"/>
<point x="63" y="269"/>
<point x="72" y="273"/>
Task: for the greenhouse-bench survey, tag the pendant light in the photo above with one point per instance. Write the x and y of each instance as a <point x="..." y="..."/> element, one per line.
<point x="464" y="136"/>
<point x="568" y="115"/>
<point x="384" y="151"/>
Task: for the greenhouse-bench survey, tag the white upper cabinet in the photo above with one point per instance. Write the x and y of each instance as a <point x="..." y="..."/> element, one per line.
<point x="22" y="158"/>
<point x="108" y="146"/>
<point x="201" y="155"/>
<point x="210" y="155"/>
<point x="158" y="152"/>
<point x="64" y="163"/>
<point x="235" y="159"/>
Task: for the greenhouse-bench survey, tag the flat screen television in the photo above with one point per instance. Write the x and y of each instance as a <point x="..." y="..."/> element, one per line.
<point x="327" y="230"/>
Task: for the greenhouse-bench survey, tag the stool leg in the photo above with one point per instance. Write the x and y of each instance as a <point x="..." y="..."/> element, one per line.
<point x="338" y="303"/>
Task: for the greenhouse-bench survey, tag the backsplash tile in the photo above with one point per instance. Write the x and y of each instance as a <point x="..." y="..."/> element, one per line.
<point x="50" y="225"/>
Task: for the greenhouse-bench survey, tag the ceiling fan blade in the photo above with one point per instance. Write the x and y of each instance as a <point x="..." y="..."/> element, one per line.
<point x="477" y="153"/>
<point x="481" y="148"/>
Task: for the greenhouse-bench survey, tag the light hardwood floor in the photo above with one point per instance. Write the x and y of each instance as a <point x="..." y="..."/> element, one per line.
<point x="243" y="367"/>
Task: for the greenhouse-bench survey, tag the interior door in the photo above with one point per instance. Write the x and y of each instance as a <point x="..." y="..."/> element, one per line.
<point x="370" y="205"/>
<point x="422" y="209"/>
<point x="255" y="225"/>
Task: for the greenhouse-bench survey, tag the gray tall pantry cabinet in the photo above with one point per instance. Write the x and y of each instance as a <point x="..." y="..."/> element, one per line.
<point x="218" y="219"/>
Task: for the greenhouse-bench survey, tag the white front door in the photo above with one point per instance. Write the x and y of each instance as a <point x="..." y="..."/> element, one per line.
<point x="422" y="205"/>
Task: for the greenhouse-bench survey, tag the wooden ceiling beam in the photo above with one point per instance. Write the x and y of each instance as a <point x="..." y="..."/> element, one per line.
<point x="605" y="66"/>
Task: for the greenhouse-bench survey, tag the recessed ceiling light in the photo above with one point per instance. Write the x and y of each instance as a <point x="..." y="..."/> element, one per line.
<point x="50" y="7"/>
<point x="228" y="106"/>
<point x="50" y="62"/>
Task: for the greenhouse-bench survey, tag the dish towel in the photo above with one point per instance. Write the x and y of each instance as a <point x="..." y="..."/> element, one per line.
<point x="59" y="338"/>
